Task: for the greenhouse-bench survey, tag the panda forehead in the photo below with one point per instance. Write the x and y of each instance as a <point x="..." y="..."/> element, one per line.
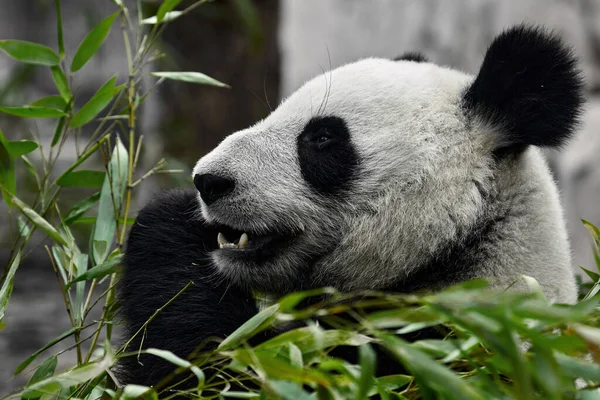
<point x="370" y="89"/>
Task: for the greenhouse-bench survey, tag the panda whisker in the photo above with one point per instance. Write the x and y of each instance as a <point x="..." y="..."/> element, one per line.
<point x="265" y="91"/>
<point x="328" y="91"/>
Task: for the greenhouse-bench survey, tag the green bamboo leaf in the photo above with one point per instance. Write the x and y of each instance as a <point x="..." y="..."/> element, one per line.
<point x="164" y="8"/>
<point x="92" y="42"/>
<point x="170" y="16"/>
<point x="8" y="182"/>
<point x="7" y="285"/>
<point x="51" y="102"/>
<point x="289" y="390"/>
<point x="29" y="53"/>
<point x="594" y="276"/>
<point x="81" y="208"/>
<point x="38" y="221"/>
<point x="576" y="368"/>
<point x="192" y="77"/>
<point x="111" y="198"/>
<point x="594" y="231"/>
<point x="131" y="392"/>
<point x="83" y="178"/>
<point x="32" y="357"/>
<point x="67" y="379"/>
<point x="92" y="220"/>
<point x="391" y="383"/>
<point x="250" y="328"/>
<point x="19" y="148"/>
<point x="429" y="374"/>
<point x="59" y="29"/>
<point x="180" y="362"/>
<point x="97" y="103"/>
<point x="58" y="131"/>
<point x="277" y="368"/>
<point x="24" y="229"/>
<point x="367" y="359"/>
<point x="60" y="80"/>
<point x="32" y="112"/>
<point x="106" y="268"/>
<point x="45" y="370"/>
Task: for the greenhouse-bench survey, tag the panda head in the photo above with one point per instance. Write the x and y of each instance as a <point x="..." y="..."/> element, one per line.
<point x="369" y="171"/>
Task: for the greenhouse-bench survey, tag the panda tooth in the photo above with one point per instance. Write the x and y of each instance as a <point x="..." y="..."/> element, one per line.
<point x="221" y="240"/>
<point x="243" y="242"/>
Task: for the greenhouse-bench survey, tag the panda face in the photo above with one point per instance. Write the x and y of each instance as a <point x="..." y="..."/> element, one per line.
<point x="382" y="173"/>
<point x="355" y="168"/>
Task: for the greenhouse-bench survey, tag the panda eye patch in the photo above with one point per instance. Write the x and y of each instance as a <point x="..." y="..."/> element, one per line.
<point x="328" y="159"/>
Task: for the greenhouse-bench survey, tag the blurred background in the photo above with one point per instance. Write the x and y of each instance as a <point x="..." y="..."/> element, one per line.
<point x="265" y="49"/>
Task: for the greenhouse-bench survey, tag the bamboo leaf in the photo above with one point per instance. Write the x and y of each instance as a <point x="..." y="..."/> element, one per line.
<point x="96" y="104"/>
<point x="38" y="221"/>
<point x="131" y="392"/>
<point x="83" y="178"/>
<point x="32" y="357"/>
<point x="60" y="80"/>
<point x="58" y="131"/>
<point x="192" y="77"/>
<point x="19" y="148"/>
<point x="45" y="370"/>
<point x="8" y="182"/>
<point x="106" y="268"/>
<point x="59" y="29"/>
<point x="164" y="8"/>
<point x="250" y="327"/>
<point x="51" y="102"/>
<point x="7" y="285"/>
<point x="170" y="16"/>
<point x="29" y="52"/>
<point x="67" y="379"/>
<point x="92" y="42"/>
<point x="81" y="208"/>
<point x="109" y="205"/>
<point x="367" y="360"/>
<point x="33" y="112"/>
<point x="429" y="374"/>
<point x="180" y="362"/>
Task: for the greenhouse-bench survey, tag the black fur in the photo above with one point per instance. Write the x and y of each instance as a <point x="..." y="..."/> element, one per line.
<point x="529" y="87"/>
<point x="167" y="248"/>
<point x="327" y="165"/>
<point x="412" y="56"/>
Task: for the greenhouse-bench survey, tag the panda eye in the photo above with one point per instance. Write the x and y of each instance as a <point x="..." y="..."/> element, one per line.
<point x="322" y="137"/>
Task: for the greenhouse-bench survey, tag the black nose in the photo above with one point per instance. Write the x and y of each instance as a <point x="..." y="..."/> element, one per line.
<point x="213" y="187"/>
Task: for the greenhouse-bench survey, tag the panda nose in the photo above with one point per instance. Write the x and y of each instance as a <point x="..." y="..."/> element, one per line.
<point x="212" y="187"/>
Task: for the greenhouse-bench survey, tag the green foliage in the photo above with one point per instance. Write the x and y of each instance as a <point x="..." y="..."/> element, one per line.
<point x="499" y="345"/>
<point x="82" y="265"/>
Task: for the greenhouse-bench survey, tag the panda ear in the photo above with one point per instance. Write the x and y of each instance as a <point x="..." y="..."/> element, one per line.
<point x="529" y="89"/>
<point x="412" y="56"/>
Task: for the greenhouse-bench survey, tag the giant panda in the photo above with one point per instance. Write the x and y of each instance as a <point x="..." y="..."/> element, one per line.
<point x="383" y="174"/>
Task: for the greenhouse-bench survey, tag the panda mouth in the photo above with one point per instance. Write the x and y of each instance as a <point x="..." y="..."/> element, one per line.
<point x="248" y="242"/>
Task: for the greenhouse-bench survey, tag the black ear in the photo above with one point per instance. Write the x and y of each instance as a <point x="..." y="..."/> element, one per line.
<point x="412" y="56"/>
<point x="529" y="89"/>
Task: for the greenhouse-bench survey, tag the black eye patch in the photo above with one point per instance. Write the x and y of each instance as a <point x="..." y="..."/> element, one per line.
<point x="328" y="159"/>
